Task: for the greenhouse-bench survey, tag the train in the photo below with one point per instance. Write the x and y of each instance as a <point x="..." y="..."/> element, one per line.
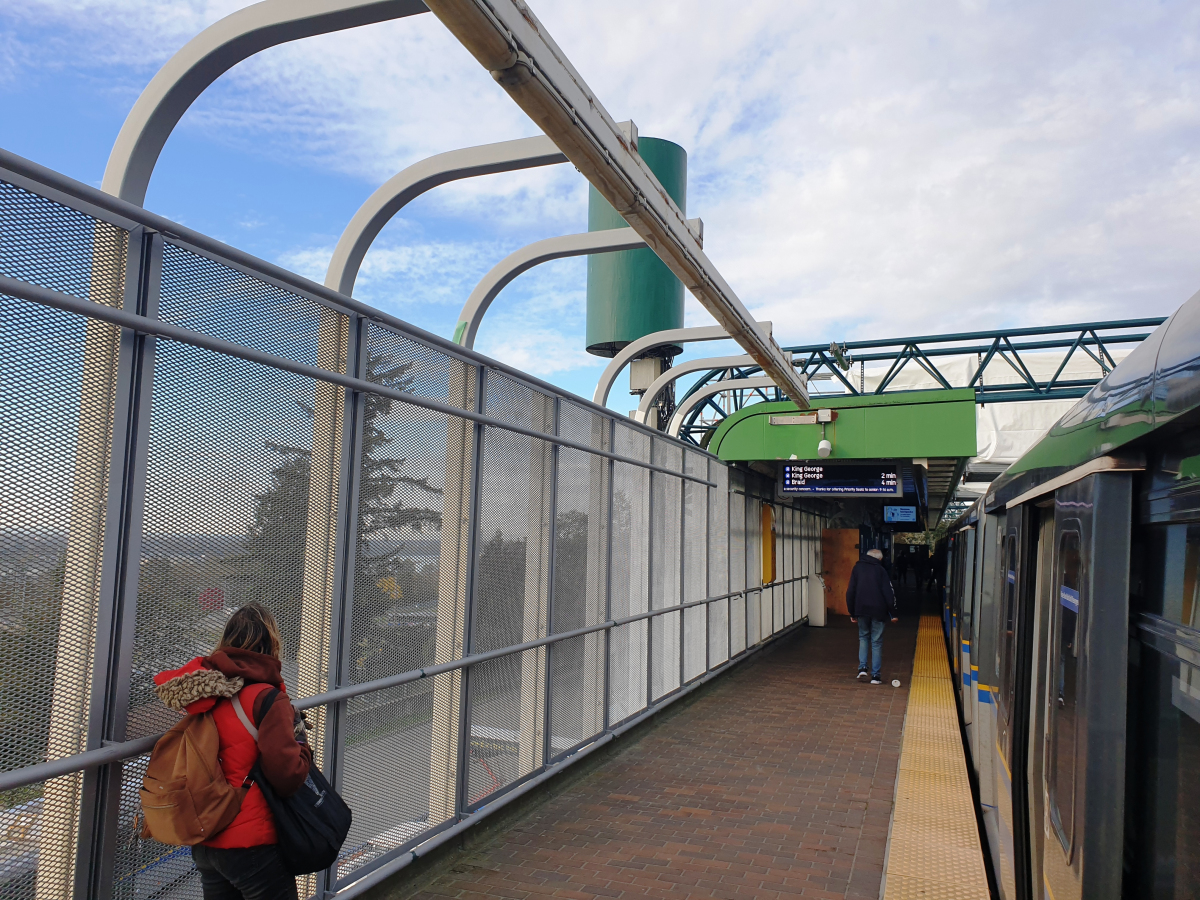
<point x="1071" y="609"/>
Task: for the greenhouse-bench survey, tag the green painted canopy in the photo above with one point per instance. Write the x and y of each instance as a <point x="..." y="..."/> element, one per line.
<point x="885" y="426"/>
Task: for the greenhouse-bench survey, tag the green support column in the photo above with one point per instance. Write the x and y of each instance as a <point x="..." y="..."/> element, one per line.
<point x="632" y="293"/>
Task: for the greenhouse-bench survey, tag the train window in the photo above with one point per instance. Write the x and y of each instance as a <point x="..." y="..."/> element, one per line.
<point x="1066" y="636"/>
<point x="1164" y="701"/>
<point x="1008" y="634"/>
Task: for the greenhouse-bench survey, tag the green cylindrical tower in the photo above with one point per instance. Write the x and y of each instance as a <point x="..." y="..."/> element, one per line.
<point x="631" y="293"/>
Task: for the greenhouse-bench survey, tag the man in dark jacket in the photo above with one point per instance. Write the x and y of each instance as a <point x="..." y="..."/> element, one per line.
<point x="870" y="601"/>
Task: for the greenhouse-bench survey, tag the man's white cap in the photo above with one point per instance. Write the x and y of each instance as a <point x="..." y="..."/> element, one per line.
<point x="878" y="554"/>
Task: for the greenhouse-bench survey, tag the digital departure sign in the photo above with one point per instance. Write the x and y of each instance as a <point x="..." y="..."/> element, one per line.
<point x="899" y="514"/>
<point x="841" y="479"/>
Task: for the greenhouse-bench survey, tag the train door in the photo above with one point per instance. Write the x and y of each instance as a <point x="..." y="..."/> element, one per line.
<point x="982" y="729"/>
<point x="1039" y="610"/>
<point x="1082" y="722"/>
<point x="966" y="587"/>
<point x="950" y="602"/>
<point x="990" y="597"/>
<point x="1014" y="644"/>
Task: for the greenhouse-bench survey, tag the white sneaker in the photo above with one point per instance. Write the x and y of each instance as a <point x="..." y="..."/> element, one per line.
<point x="876" y="681"/>
<point x="862" y="673"/>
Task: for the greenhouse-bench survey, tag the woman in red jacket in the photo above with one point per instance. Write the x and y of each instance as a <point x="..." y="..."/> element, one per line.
<point x="242" y="862"/>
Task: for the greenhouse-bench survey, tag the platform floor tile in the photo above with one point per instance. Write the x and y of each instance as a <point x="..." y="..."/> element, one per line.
<point x="934" y="850"/>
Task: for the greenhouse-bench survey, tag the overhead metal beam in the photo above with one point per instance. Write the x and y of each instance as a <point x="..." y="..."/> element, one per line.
<point x="502" y="274"/>
<point x="701" y="396"/>
<point x="211" y="54"/>
<point x="643" y="345"/>
<point x="506" y="38"/>
<point x="685" y="368"/>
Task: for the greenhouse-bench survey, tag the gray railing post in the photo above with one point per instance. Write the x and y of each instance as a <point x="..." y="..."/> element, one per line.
<point x="117" y="598"/>
<point x="345" y="561"/>
<point x="612" y="444"/>
<point x="683" y="537"/>
<point x="552" y="552"/>
<point x="650" y="548"/>
<point x="474" y="467"/>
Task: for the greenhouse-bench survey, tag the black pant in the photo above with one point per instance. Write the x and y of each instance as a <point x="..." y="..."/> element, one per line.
<point x="243" y="873"/>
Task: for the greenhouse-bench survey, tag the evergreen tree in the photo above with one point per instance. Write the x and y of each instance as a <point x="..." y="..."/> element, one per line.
<point x="270" y="565"/>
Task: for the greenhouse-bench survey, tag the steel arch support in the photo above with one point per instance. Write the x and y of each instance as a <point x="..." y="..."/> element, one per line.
<point x="208" y="56"/>
<point x="661" y="339"/>
<point x="685" y="368"/>
<point x="709" y="390"/>
<point x="404" y="187"/>
<point x="502" y="274"/>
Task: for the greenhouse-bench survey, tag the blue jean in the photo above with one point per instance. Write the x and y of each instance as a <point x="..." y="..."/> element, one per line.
<point x="871" y="630"/>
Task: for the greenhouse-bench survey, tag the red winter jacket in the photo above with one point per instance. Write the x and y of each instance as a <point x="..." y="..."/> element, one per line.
<point x="207" y="683"/>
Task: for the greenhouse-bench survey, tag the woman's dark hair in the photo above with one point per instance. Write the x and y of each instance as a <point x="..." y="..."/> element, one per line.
<point x="251" y="628"/>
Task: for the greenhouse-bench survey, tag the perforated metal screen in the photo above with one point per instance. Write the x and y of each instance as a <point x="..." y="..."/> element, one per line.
<point x="399" y="504"/>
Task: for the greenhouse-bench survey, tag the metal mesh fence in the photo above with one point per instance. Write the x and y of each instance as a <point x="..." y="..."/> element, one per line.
<point x="718" y="564"/>
<point x="398" y="503"/>
<point x="694" y="570"/>
<point x="665" y="526"/>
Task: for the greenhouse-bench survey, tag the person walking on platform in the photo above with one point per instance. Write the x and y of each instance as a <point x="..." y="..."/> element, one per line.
<point x="241" y="684"/>
<point x="870" y="601"/>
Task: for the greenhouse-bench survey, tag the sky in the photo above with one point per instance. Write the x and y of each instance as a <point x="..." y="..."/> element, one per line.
<point x="863" y="169"/>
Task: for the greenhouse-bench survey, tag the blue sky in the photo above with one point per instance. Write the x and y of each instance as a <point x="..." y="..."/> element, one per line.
<point x="864" y="169"/>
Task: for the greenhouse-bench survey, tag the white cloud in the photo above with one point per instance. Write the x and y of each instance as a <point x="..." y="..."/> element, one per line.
<point x="864" y="169"/>
<point x="543" y="353"/>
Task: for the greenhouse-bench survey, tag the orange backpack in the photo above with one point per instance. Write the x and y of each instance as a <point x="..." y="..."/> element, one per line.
<point x="186" y="798"/>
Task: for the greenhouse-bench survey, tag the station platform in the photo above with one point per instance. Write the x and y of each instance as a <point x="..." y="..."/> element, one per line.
<point x="777" y="781"/>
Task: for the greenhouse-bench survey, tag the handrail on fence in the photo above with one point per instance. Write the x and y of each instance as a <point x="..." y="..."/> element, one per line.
<point x="116" y="752"/>
<point x="145" y="325"/>
<point x="58" y="187"/>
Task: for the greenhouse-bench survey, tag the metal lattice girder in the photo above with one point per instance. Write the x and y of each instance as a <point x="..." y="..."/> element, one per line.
<point x="1094" y="340"/>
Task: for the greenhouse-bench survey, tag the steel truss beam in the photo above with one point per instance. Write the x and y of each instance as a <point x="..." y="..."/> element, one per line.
<point x="1092" y="339"/>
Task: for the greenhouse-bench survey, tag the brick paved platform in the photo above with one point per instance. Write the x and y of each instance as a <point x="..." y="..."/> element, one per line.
<point x="777" y="782"/>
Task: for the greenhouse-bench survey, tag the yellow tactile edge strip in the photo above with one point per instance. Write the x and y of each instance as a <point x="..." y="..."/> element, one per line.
<point x="933" y="843"/>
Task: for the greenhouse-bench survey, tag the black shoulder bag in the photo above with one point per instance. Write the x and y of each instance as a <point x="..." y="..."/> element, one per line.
<point x="312" y="824"/>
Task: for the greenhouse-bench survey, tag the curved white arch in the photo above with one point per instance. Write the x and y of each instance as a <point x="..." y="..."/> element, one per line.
<point x="661" y="339"/>
<point x="525" y="259"/>
<point x="211" y="54"/>
<point x="685" y="368"/>
<point x="410" y="183"/>
<point x="694" y="400"/>
<point x="404" y="187"/>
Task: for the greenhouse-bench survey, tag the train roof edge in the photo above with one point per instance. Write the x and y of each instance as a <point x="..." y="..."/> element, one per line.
<point x="1155" y="385"/>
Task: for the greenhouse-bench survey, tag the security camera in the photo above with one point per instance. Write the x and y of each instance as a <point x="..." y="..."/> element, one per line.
<point x="824" y="449"/>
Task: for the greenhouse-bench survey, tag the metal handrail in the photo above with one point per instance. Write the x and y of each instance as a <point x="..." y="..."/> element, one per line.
<point x="145" y="325"/>
<point x="120" y="750"/>
<point x="57" y="187"/>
